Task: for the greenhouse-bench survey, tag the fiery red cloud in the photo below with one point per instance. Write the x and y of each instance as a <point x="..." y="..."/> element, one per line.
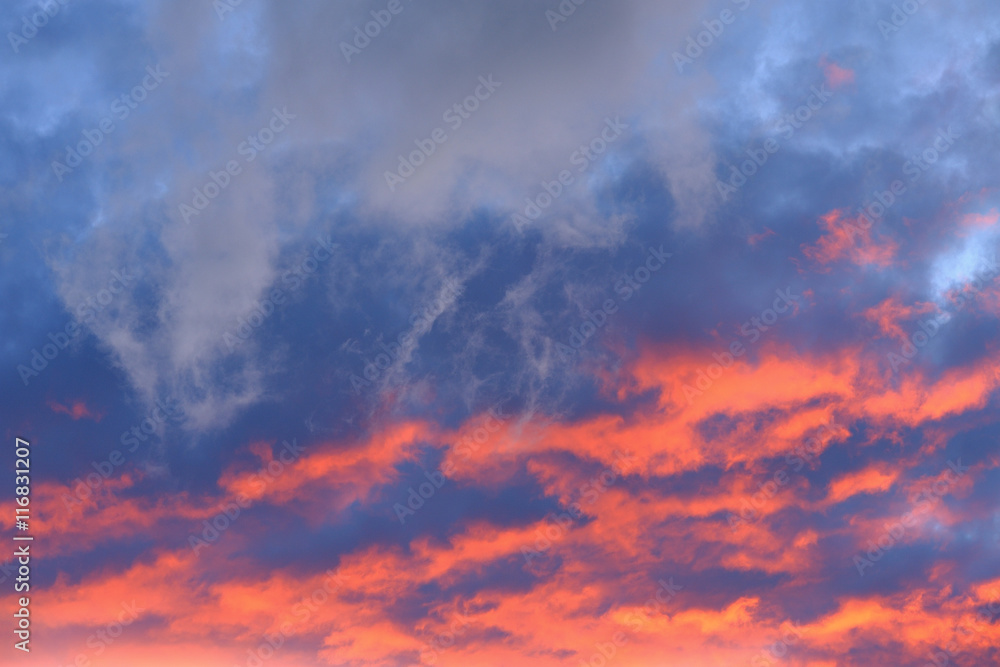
<point x="628" y="529"/>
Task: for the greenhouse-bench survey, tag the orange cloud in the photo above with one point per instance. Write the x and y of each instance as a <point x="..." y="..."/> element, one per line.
<point x="849" y="238"/>
<point x="653" y="490"/>
<point x="836" y="76"/>
<point x="981" y="220"/>
<point x="891" y="313"/>
<point x="77" y="410"/>
<point x="877" y="478"/>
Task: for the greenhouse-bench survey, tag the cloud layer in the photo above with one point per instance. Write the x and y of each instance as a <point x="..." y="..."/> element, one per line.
<point x="537" y="333"/>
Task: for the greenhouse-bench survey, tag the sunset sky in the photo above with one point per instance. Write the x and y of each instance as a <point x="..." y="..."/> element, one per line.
<point x="592" y="333"/>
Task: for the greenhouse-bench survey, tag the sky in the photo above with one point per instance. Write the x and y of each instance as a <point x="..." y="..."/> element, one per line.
<point x="384" y="333"/>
